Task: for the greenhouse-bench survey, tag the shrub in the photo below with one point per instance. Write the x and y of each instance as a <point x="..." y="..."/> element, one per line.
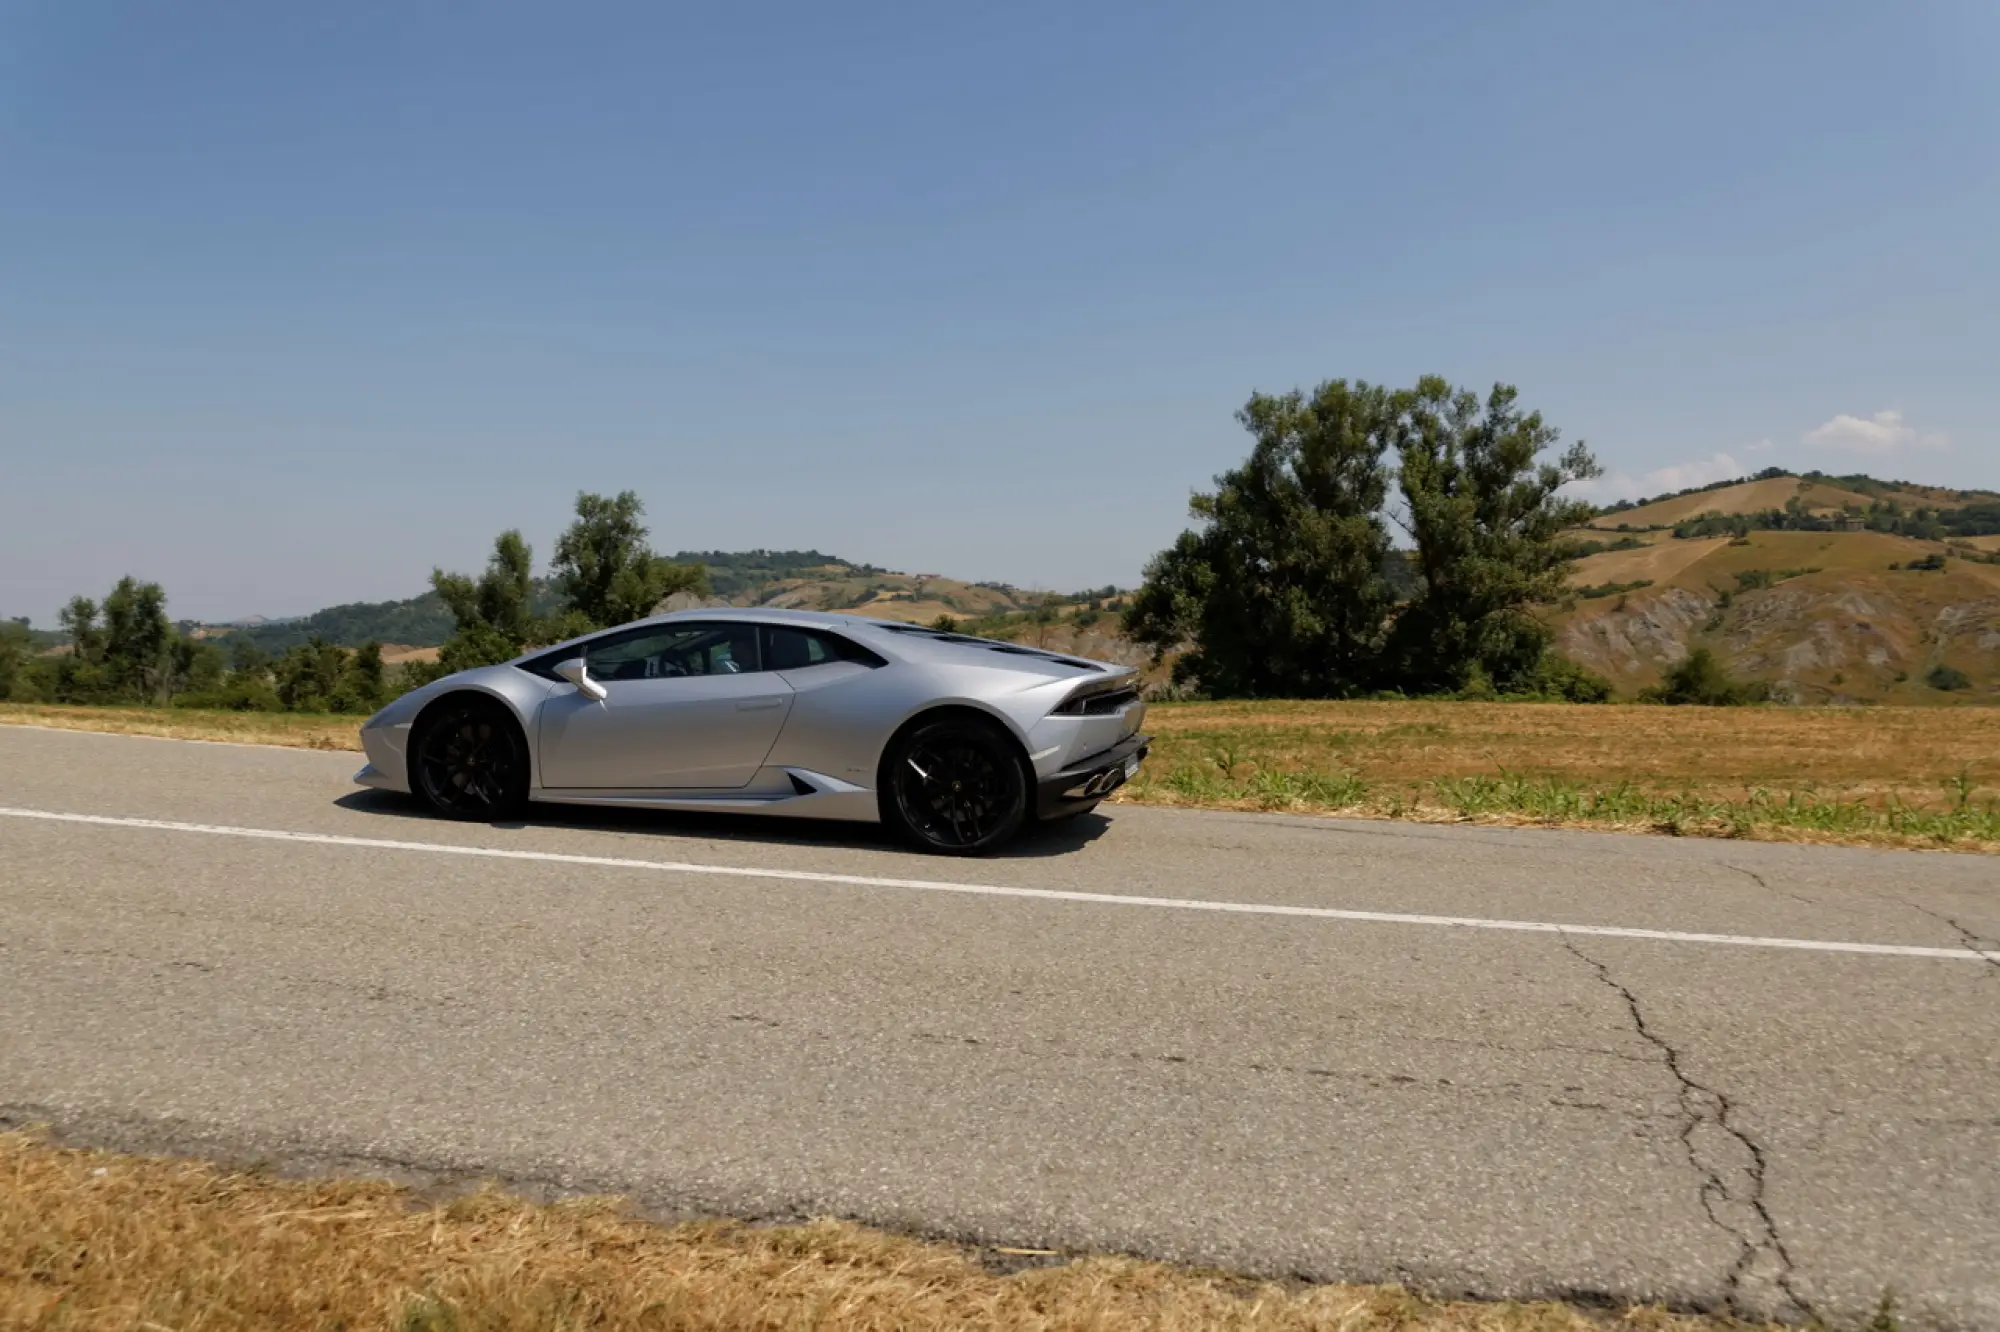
<point x="1948" y="678"/>
<point x="1559" y="677"/>
<point x="1700" y="680"/>
<point x="1596" y="590"/>
<point x="243" y="691"/>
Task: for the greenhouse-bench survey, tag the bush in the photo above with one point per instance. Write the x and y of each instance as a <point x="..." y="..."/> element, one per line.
<point x="1559" y="677"/>
<point x="1596" y="590"/>
<point x="1929" y="563"/>
<point x="241" y="692"/>
<point x="1556" y="679"/>
<point x="1701" y="681"/>
<point x="415" y="675"/>
<point x="1948" y="678"/>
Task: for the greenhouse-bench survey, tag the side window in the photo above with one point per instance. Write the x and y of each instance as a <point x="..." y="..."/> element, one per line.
<point x="789" y="649"/>
<point x="673" y="651"/>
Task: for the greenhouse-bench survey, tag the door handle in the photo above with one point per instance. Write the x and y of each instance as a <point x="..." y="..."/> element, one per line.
<point x="759" y="704"/>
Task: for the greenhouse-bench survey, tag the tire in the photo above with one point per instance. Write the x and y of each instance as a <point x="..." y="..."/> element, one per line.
<point x="469" y="760"/>
<point x="955" y="786"/>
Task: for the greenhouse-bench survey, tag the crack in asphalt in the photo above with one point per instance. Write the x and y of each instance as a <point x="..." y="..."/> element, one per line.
<point x="1741" y="1212"/>
<point x="1761" y="882"/>
<point x="1985" y="945"/>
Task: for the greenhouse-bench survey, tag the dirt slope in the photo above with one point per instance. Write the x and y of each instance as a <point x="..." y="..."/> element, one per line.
<point x="1822" y="616"/>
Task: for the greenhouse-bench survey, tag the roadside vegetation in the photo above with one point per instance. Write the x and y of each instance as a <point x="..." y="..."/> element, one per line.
<point x="1891" y="777"/>
<point x="97" y="1240"/>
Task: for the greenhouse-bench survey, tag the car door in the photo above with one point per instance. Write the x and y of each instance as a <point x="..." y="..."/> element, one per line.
<point x="686" y="706"/>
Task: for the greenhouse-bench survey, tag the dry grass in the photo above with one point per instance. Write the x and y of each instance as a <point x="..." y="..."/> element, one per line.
<point x="1875" y="751"/>
<point x="1658" y="562"/>
<point x="1909" y="777"/>
<point x="1749" y="497"/>
<point x="91" y="1240"/>
<point x="297" y="730"/>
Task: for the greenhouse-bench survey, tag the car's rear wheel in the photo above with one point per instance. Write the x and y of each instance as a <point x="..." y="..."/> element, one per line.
<point x="469" y="760"/>
<point x="956" y="785"/>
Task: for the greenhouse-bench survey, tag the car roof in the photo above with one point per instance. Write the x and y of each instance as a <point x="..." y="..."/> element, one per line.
<point x="763" y="614"/>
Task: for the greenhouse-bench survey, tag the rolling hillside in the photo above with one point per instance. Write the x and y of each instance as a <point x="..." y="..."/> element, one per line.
<point x="1825" y="617"/>
<point x="1780" y="575"/>
<point x="806" y="580"/>
<point x="1855" y="501"/>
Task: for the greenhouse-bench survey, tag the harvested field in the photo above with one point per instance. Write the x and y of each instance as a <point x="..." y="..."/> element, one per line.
<point x="1749" y="497"/>
<point x="1909" y="777"/>
<point x="1657" y="562"/>
<point x="1906" y="752"/>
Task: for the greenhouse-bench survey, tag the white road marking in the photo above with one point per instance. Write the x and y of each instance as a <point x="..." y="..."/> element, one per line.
<point x="1032" y="894"/>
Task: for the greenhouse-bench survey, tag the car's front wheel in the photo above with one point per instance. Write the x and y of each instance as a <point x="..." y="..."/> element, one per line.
<point x="469" y="760"/>
<point x="956" y="785"/>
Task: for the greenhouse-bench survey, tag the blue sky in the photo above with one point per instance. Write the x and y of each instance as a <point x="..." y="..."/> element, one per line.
<point x="300" y="301"/>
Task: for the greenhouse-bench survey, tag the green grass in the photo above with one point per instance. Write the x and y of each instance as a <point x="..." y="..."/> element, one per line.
<point x="1556" y="802"/>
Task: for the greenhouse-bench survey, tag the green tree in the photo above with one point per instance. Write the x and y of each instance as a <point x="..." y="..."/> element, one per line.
<point x="308" y="677"/>
<point x="17" y="649"/>
<point x="79" y="673"/>
<point x="246" y="658"/>
<point x="605" y="571"/>
<point x="494" y="622"/>
<point x="79" y="620"/>
<point x="1485" y="513"/>
<point x="363" y="683"/>
<point x="138" y="641"/>
<point x="197" y="666"/>
<point x="1281" y="592"/>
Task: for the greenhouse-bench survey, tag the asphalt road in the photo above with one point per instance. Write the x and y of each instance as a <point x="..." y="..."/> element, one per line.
<point x="1272" y="1079"/>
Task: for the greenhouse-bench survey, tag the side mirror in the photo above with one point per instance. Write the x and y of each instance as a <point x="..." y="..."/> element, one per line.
<point x="577" y="672"/>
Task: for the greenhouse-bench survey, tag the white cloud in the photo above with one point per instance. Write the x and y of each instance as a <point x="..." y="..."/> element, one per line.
<point x="1688" y="475"/>
<point x="1606" y="489"/>
<point x="1615" y="486"/>
<point x="1761" y="446"/>
<point x="1876" y="436"/>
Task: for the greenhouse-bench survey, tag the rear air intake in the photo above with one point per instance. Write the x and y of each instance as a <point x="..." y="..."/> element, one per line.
<point x="1097" y="703"/>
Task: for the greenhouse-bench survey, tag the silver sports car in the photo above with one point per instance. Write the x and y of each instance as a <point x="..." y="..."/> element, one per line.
<point x="956" y="742"/>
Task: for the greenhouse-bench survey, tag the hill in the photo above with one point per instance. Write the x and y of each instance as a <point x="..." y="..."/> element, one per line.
<point x="1824" y="617"/>
<point x="1777" y="499"/>
<point x="790" y="579"/>
<point x="1832" y="589"/>
<point x="1840" y="589"/>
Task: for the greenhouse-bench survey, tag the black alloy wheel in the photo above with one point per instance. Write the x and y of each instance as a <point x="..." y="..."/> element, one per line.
<point x="470" y="761"/>
<point x="956" y="786"/>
